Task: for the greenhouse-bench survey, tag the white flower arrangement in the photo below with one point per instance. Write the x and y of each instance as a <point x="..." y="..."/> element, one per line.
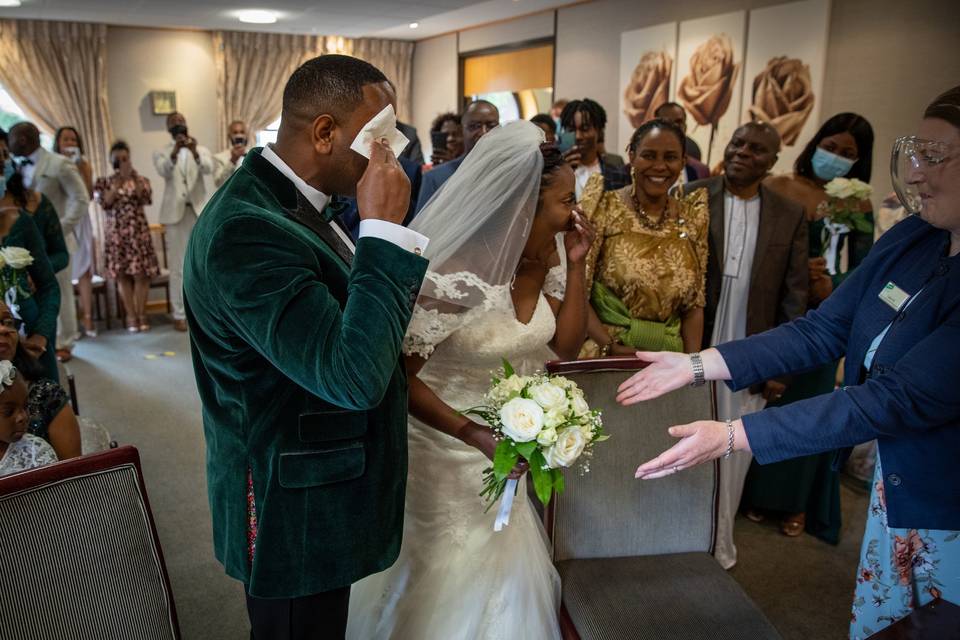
<point x="843" y="188"/>
<point x="8" y="373"/>
<point x="13" y="260"/>
<point x="541" y="418"/>
<point x="16" y="257"/>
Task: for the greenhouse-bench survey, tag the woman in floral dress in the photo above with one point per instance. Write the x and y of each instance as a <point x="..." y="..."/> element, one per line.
<point x="131" y="258"/>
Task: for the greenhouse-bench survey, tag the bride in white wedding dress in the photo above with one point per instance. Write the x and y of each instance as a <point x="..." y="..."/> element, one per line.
<point x="503" y="283"/>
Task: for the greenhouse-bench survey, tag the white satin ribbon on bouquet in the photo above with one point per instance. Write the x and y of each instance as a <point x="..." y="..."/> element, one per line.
<point x="836" y="231"/>
<point x="506" y="504"/>
<point x="10" y="298"/>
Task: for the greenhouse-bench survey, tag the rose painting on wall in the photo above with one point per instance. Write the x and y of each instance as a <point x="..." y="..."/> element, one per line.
<point x="710" y="61"/>
<point x="646" y="75"/>
<point x="784" y="70"/>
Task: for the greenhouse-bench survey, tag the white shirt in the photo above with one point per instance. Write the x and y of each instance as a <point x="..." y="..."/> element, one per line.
<point x="388" y="231"/>
<point x="741" y="221"/>
<point x="583" y="174"/>
<point x="28" y="170"/>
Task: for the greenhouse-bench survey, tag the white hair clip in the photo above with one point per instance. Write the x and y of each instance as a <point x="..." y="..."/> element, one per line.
<point x="8" y="373"/>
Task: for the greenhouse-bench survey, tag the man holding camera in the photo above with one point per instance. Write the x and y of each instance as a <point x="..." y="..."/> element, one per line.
<point x="229" y="160"/>
<point x="182" y="164"/>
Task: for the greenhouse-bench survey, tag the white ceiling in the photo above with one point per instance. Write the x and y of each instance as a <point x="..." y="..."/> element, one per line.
<point x="351" y="18"/>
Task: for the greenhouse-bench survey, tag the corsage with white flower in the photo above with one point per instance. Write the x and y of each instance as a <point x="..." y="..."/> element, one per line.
<point x="8" y="373"/>
<point x="543" y="419"/>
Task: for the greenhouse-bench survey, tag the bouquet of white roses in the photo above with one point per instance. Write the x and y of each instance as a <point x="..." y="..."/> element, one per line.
<point x="17" y="259"/>
<point x="543" y="419"/>
<point x="843" y="211"/>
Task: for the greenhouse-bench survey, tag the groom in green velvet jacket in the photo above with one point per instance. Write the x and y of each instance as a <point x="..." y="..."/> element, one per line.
<point x="296" y="338"/>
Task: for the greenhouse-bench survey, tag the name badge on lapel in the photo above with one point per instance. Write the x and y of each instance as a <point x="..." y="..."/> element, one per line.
<point x="894" y="296"/>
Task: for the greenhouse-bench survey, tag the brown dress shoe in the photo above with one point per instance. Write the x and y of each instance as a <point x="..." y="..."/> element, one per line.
<point x="180" y="325"/>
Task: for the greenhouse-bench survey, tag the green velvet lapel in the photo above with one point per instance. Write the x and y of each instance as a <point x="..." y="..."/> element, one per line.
<point x="295" y="204"/>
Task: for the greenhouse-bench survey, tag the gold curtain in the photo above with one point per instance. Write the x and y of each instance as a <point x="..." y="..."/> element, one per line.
<point x="252" y="69"/>
<point x="56" y="72"/>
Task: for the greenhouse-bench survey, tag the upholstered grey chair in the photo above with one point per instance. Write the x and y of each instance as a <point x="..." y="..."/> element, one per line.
<point x="634" y="555"/>
<point x="81" y="556"/>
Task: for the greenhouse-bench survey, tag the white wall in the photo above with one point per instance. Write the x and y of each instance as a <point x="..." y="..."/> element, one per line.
<point x="533" y="27"/>
<point x="435" y="70"/>
<point x="142" y="60"/>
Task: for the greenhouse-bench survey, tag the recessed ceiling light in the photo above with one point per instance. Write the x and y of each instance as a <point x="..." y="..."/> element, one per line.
<point x="414" y="25"/>
<point x="9" y="3"/>
<point x="257" y="16"/>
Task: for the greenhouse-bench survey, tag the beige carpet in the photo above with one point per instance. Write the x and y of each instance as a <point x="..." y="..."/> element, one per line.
<point x="148" y="398"/>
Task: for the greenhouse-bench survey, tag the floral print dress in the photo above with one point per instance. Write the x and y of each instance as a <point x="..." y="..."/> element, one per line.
<point x="129" y="248"/>
<point x="900" y="569"/>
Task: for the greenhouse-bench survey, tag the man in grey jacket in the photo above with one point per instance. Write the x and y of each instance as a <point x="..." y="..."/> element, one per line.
<point x="56" y="177"/>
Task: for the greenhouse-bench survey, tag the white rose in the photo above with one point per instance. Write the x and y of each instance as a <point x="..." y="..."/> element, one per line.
<point x="580" y="406"/>
<point x="565" y="451"/>
<point x="16" y="257"/>
<point x="508" y="387"/>
<point x="587" y="431"/>
<point x="547" y="437"/>
<point x="7" y="373"/>
<point x="860" y="189"/>
<point x="522" y="419"/>
<point x="564" y="383"/>
<point x="554" y="419"/>
<point x="549" y="396"/>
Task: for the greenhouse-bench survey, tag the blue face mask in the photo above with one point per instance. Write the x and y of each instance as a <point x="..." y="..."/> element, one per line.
<point x="828" y="166"/>
<point x="8" y="172"/>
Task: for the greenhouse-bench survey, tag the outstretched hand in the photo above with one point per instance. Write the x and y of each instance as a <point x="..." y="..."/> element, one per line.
<point x="667" y="371"/>
<point x="699" y="442"/>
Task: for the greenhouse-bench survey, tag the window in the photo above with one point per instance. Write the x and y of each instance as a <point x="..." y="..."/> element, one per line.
<point x="269" y="134"/>
<point x="11" y="114"/>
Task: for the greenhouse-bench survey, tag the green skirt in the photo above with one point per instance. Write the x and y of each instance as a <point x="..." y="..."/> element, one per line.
<point x="806" y="485"/>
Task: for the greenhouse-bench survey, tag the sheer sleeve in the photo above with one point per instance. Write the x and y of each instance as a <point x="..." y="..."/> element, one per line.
<point x="555" y="284"/>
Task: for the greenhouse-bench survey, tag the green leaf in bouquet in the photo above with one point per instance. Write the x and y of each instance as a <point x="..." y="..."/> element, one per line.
<point x="507" y="369"/>
<point x="526" y="449"/>
<point x="504" y="459"/>
<point x="603" y="437"/>
<point x="558" y="485"/>
<point x="542" y="478"/>
<point x="862" y="224"/>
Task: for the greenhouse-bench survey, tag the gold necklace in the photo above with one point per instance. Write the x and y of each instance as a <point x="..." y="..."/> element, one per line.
<point x="644" y="219"/>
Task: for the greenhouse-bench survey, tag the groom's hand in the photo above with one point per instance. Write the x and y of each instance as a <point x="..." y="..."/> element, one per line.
<point x="383" y="192"/>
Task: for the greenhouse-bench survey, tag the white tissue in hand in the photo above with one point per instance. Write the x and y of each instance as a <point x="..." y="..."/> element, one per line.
<point x="383" y="125"/>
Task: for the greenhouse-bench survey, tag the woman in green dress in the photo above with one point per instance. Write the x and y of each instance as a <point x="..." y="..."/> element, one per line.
<point x="27" y="277"/>
<point x="805" y="492"/>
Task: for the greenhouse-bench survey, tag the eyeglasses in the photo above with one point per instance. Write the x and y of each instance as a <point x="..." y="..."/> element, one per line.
<point x="923" y="152"/>
<point x="10" y="324"/>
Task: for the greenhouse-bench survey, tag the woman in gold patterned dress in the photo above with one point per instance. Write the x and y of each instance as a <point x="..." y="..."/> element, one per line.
<point x="648" y="262"/>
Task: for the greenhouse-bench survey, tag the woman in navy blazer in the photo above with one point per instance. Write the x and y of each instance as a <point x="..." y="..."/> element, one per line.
<point x="897" y="321"/>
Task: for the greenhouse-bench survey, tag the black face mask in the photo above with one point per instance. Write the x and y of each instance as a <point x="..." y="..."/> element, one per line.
<point x="239" y="140"/>
<point x="116" y="164"/>
<point x="178" y="130"/>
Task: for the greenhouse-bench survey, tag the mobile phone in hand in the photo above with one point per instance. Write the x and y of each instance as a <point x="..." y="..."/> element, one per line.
<point x="566" y="140"/>
<point x="438" y="139"/>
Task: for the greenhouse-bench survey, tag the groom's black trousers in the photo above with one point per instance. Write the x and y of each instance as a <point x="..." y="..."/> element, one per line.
<point x="322" y="616"/>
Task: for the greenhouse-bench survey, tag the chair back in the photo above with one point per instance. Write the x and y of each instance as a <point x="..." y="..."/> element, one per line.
<point x="606" y="513"/>
<point x="81" y="553"/>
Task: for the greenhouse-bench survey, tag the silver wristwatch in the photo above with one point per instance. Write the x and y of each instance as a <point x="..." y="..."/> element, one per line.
<point x="699" y="378"/>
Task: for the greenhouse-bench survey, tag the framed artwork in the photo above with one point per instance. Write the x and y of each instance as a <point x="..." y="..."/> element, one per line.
<point x="164" y="102"/>
<point x="647" y="76"/>
<point x="783" y="73"/>
<point x="710" y="79"/>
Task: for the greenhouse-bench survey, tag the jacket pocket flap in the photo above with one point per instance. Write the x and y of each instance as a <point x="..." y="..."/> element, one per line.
<point x="303" y="469"/>
<point x="327" y="426"/>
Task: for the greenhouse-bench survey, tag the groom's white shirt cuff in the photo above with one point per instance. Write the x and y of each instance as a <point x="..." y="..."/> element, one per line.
<point x="393" y="233"/>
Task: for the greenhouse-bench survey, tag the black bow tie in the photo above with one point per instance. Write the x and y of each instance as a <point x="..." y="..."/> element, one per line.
<point x="22" y="162"/>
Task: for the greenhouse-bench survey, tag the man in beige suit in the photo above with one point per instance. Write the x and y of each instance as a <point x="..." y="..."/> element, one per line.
<point x="182" y="164"/>
<point x="57" y="178"/>
<point x="230" y="159"/>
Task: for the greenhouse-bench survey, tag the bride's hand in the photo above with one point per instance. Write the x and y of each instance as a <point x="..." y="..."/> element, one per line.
<point x="666" y="372"/>
<point x="578" y="238"/>
<point x="481" y="437"/>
